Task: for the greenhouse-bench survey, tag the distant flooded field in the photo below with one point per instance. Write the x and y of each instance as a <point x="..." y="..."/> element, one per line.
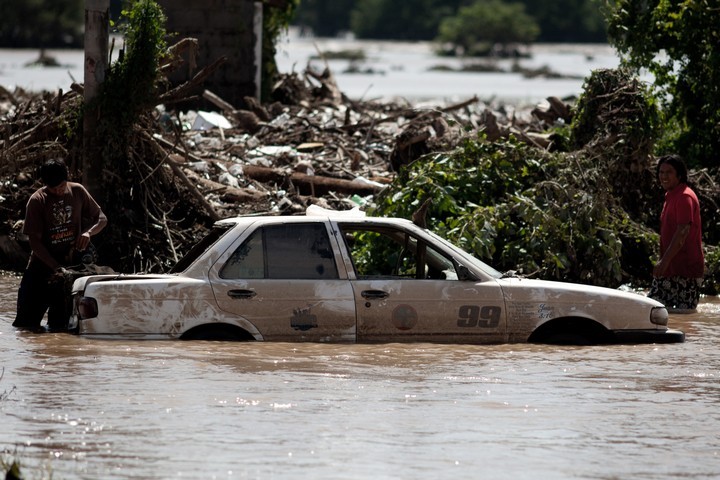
<point x="391" y="70"/>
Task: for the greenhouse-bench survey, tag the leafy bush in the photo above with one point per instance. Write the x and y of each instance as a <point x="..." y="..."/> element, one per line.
<point x="130" y="88"/>
<point x="617" y="120"/>
<point x="679" y="43"/>
<point x="520" y="208"/>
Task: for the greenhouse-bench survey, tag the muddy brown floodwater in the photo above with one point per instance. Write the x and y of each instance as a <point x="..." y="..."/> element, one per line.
<point x="72" y="408"/>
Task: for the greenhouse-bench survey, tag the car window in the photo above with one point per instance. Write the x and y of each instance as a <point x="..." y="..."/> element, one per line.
<point x="382" y="252"/>
<point x="288" y="251"/>
<point x="201" y="247"/>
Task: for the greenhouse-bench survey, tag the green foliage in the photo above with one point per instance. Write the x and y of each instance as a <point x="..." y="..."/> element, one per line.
<point x="275" y="21"/>
<point x="617" y="119"/>
<point x="520" y="208"/>
<point x="376" y="255"/>
<point x="679" y="43"/>
<point x="615" y="103"/>
<point x="485" y="24"/>
<point x="11" y="469"/>
<point x="131" y="83"/>
<point x="711" y="284"/>
<point x="123" y="104"/>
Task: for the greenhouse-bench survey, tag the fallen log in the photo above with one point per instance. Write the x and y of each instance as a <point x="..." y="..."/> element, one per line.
<point x="227" y="193"/>
<point x="218" y="102"/>
<point x="314" y="185"/>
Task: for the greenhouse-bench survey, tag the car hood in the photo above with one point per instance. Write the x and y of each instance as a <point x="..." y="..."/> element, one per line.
<point x="518" y="288"/>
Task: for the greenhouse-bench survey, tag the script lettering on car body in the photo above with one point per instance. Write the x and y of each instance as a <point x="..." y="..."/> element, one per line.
<point x="476" y="316"/>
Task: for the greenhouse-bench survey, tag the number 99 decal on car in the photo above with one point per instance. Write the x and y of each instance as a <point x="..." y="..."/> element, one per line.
<point x="483" y="317"/>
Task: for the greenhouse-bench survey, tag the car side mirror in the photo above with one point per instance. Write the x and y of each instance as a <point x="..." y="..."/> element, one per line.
<point x="464" y="274"/>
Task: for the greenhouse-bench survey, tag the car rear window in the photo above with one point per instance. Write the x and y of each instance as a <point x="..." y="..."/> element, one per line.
<point x="288" y="251"/>
<point x="201" y="247"/>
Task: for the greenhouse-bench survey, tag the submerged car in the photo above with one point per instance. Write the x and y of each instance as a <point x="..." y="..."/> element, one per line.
<point x="336" y="277"/>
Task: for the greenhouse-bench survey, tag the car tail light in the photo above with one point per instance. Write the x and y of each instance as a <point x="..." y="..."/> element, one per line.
<point x="659" y="316"/>
<point x="86" y="307"/>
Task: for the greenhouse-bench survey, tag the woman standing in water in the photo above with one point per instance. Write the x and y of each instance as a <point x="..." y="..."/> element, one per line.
<point x="678" y="275"/>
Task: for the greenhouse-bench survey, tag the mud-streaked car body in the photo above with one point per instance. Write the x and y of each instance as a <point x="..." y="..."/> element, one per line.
<point x="338" y="277"/>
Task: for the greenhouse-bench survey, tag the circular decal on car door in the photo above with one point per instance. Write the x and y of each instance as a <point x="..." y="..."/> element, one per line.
<point x="404" y="317"/>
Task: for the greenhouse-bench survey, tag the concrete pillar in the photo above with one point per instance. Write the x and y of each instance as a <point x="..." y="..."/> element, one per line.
<point x="96" y="63"/>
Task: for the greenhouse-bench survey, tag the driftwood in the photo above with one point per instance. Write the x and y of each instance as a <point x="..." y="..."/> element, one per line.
<point x="184" y="91"/>
<point x="313" y="185"/>
<point x="218" y="102"/>
<point x="227" y="193"/>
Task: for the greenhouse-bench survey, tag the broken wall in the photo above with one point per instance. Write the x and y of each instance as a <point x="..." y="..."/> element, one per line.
<point x="230" y="28"/>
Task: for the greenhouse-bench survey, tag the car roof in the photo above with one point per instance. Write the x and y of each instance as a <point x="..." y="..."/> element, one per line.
<point x="314" y="214"/>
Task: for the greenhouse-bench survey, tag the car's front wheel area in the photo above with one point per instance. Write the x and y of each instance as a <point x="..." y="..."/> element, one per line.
<point x="572" y="331"/>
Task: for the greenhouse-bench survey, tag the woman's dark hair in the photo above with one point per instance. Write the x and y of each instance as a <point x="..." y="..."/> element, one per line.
<point x="677" y="163"/>
<point x="54" y="172"/>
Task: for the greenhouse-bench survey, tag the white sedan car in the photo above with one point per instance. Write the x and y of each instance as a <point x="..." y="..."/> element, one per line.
<point x="332" y="277"/>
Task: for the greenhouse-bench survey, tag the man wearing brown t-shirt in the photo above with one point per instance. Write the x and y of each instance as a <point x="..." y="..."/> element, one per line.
<point x="60" y="218"/>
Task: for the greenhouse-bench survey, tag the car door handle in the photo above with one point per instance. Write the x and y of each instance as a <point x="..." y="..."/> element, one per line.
<point x="374" y="294"/>
<point x="241" y="293"/>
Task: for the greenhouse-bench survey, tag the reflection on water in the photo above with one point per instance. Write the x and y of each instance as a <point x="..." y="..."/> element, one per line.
<point x="97" y="409"/>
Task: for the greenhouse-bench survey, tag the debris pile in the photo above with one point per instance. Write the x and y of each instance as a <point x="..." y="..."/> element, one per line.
<point x="311" y="146"/>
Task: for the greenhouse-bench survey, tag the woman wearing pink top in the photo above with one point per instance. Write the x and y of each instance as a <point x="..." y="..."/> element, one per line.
<point x="678" y="275"/>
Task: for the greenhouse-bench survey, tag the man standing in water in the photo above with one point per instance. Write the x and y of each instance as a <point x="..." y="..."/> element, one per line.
<point x="678" y="275"/>
<point x="60" y="218"/>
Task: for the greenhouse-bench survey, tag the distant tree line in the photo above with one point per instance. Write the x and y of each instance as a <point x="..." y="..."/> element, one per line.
<point x="36" y="23"/>
<point x="578" y="21"/>
<point x="59" y="23"/>
<point x="46" y="23"/>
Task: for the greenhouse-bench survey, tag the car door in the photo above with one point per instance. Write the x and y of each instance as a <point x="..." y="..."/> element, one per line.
<point x="406" y="289"/>
<point x="284" y="279"/>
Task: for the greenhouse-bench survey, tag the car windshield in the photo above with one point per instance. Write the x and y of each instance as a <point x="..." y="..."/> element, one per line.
<point x="466" y="257"/>
<point x="217" y="231"/>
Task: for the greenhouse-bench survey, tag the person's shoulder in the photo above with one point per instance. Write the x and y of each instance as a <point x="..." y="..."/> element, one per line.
<point x="688" y="191"/>
<point x="681" y="190"/>
<point x="38" y="195"/>
<point x="76" y="187"/>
